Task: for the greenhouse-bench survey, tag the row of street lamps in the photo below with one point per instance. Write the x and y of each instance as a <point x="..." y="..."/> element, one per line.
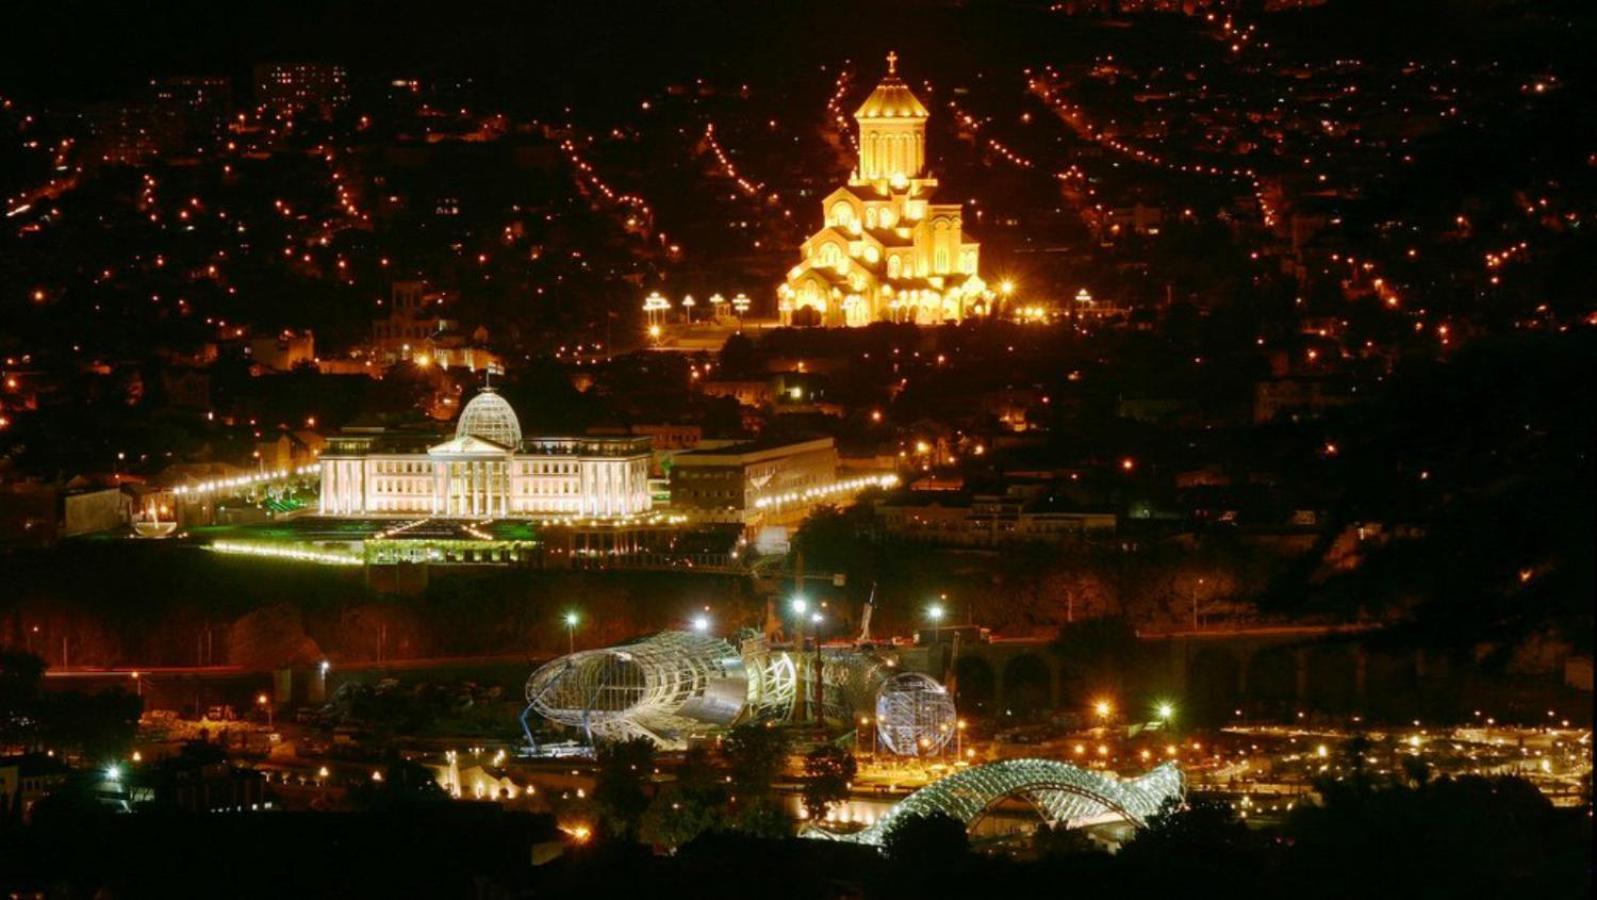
<point x="700" y="623"/>
<point x="656" y="306"/>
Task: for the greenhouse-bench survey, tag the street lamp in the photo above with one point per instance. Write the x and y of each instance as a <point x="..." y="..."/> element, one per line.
<point x="935" y="614"/>
<point x="265" y="703"/>
<point x="655" y="306"/>
<point x="741" y="303"/>
<point x="1165" y="711"/>
<point x="571" y="631"/>
<point x="1103" y="709"/>
<point x="701" y="624"/>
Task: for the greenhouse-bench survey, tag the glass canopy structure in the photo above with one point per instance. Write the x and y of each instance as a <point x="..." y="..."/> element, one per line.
<point x="1061" y="793"/>
<point x="674" y="686"/>
<point x="665" y="687"/>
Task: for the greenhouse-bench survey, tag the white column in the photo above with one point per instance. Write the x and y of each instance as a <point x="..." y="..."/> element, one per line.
<point x="476" y="487"/>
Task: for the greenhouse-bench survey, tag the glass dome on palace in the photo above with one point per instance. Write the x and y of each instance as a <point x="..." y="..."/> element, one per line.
<point x="488" y="416"/>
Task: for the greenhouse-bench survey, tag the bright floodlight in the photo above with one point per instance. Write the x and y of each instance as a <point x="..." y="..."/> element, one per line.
<point x="816" y="618"/>
<point x="112" y="773"/>
<point x="1103" y="708"/>
<point x="1166" y="711"/>
<point x="799" y="605"/>
<point x="571" y="620"/>
<point x="935" y="612"/>
<point x="325" y="666"/>
<point x="701" y="624"/>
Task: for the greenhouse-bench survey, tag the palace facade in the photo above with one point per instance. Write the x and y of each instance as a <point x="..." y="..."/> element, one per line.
<point x="488" y="470"/>
<point x="887" y="251"/>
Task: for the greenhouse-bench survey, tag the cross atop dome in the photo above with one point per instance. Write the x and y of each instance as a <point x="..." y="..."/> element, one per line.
<point x="892" y="98"/>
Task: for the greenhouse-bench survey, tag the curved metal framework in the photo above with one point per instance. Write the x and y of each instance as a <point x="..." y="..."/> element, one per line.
<point x="660" y="687"/>
<point x="1060" y="792"/>
<point x="674" y="685"/>
<point x="914" y="715"/>
<point x="773" y="681"/>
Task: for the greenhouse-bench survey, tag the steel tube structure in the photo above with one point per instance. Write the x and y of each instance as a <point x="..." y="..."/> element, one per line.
<point x="675" y="685"/>
<point x="665" y="687"/>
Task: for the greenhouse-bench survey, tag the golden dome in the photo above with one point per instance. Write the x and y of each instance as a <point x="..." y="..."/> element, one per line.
<point x="892" y="99"/>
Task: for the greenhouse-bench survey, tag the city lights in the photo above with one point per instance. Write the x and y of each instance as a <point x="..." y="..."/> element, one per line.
<point x="1108" y="421"/>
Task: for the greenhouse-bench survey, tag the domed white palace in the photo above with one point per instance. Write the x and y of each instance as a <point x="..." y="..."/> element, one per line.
<point x="488" y="470"/>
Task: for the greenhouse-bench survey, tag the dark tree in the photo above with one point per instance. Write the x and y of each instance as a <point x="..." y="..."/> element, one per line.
<point x="828" y="772"/>
<point x="1061" y="841"/>
<point x="100" y="726"/>
<point x="738" y="357"/>
<point x="1449" y="837"/>
<point x="690" y="806"/>
<point x="926" y="841"/>
<point x="1198" y="842"/>
<point x="754" y="753"/>
<point x="619" y="794"/>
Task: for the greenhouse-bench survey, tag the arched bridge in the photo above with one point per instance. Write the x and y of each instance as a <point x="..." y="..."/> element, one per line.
<point x="1062" y="794"/>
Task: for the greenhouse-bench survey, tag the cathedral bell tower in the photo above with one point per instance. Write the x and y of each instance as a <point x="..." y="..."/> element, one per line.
<point x="892" y="131"/>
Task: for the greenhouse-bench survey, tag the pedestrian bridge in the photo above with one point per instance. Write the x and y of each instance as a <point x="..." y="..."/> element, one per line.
<point x="1061" y="793"/>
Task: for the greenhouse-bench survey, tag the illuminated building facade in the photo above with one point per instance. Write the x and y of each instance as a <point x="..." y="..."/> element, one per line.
<point x="886" y="250"/>
<point x="488" y="470"/>
<point x="416" y="329"/>
<point x="288" y="88"/>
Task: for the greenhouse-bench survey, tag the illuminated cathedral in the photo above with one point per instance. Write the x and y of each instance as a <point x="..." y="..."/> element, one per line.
<point x="886" y="251"/>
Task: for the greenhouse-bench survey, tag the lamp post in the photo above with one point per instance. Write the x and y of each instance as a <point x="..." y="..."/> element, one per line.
<point x="265" y="703"/>
<point x="1103" y="709"/>
<point x="741" y="303"/>
<point x="800" y="606"/>
<point x="818" y="668"/>
<point x="934" y="614"/>
<point x="571" y="631"/>
<point x="1165" y="713"/>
